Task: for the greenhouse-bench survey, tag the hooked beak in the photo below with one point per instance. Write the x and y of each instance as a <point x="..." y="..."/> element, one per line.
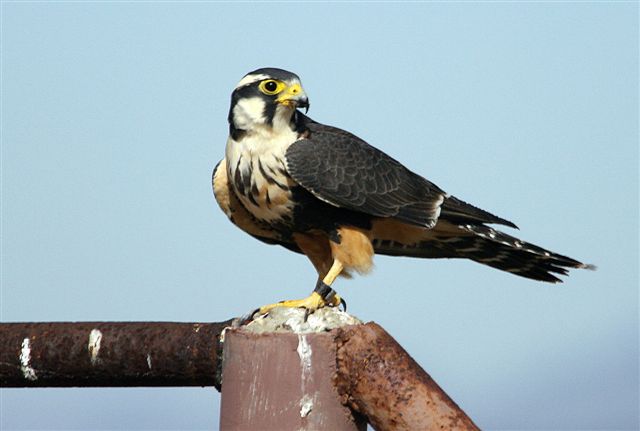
<point x="294" y="96"/>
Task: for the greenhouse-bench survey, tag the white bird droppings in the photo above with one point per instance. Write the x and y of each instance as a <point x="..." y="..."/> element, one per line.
<point x="95" y="337"/>
<point x="25" y="357"/>
<point x="304" y="351"/>
<point x="149" y="360"/>
<point x="306" y="405"/>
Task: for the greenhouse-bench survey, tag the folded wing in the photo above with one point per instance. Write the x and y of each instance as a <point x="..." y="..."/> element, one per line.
<point x="343" y="170"/>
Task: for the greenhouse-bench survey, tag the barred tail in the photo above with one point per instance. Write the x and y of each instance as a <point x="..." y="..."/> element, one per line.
<point x="488" y="246"/>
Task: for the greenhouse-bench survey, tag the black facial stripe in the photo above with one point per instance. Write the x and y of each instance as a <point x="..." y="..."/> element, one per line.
<point x="270" y="110"/>
<point x="247" y="92"/>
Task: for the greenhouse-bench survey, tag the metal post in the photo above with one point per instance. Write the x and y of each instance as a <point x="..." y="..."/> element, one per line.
<point x="282" y="381"/>
<point x="291" y="371"/>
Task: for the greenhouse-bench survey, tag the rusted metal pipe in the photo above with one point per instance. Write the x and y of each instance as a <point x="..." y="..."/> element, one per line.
<point x="282" y="381"/>
<point x="109" y="354"/>
<point x="379" y="379"/>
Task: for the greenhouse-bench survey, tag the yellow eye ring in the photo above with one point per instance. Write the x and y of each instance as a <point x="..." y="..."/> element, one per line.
<point x="271" y="87"/>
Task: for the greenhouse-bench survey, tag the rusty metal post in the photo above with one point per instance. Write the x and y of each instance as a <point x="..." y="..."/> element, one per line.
<point x="67" y="354"/>
<point x="282" y="381"/>
<point x="291" y="371"/>
<point x="379" y="379"/>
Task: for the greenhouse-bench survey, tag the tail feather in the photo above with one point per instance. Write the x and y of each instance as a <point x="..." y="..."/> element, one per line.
<point x="488" y="246"/>
<point x="458" y="211"/>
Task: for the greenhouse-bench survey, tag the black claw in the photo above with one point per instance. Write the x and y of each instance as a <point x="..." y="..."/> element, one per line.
<point x="344" y="304"/>
<point x="247" y="317"/>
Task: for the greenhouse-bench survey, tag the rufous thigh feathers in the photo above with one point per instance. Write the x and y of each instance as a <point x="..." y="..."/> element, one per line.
<point x="354" y="250"/>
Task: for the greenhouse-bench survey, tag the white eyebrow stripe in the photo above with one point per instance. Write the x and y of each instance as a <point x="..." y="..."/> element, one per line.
<point x="250" y="79"/>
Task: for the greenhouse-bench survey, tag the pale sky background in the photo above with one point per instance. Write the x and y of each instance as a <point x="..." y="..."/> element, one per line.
<point x="114" y="114"/>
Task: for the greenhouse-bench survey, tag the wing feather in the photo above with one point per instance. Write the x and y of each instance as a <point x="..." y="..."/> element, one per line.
<point x="343" y="170"/>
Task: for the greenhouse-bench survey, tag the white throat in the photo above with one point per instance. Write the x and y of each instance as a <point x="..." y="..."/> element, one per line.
<point x="248" y="115"/>
<point x="259" y="153"/>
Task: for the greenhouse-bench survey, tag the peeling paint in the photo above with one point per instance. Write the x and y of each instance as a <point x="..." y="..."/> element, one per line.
<point x="95" y="337"/>
<point x="25" y="357"/>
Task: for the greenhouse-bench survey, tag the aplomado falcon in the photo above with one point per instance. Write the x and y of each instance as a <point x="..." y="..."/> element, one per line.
<point x="321" y="191"/>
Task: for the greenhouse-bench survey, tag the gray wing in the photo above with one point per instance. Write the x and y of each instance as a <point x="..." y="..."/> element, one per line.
<point x="343" y="170"/>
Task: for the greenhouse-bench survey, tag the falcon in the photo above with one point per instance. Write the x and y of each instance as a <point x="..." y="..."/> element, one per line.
<point x="323" y="192"/>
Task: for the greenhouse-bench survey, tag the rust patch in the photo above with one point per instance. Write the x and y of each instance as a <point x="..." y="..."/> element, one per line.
<point x="378" y="378"/>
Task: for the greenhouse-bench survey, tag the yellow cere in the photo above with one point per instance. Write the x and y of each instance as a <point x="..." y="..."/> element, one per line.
<point x="291" y="92"/>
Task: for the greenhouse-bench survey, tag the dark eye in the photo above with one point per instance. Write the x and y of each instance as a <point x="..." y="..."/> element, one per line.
<point x="271" y="86"/>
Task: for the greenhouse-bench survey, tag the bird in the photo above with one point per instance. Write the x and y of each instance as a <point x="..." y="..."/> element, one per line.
<point x="318" y="190"/>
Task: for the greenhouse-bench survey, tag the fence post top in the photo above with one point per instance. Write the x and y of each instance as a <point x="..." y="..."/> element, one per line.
<point x="297" y="321"/>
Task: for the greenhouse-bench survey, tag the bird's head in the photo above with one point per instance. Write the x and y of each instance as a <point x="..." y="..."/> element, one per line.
<point x="266" y="98"/>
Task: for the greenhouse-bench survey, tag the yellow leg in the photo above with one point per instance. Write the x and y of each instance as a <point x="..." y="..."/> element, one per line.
<point x="334" y="271"/>
<point x="328" y="279"/>
<point x="313" y="301"/>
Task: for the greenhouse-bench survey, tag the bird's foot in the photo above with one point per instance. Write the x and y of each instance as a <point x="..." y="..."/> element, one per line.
<point x="322" y="296"/>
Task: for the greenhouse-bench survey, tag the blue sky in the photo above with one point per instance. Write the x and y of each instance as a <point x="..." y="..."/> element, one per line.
<point x="114" y="114"/>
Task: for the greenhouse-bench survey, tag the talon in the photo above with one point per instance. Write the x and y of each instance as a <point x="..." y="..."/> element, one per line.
<point x="247" y="317"/>
<point x="322" y="296"/>
<point x="344" y="304"/>
<point x="310" y="303"/>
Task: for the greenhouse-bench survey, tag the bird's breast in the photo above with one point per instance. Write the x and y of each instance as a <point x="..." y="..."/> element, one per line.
<point x="260" y="179"/>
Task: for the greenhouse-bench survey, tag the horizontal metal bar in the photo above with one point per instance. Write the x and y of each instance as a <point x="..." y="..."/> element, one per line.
<point x="110" y="354"/>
